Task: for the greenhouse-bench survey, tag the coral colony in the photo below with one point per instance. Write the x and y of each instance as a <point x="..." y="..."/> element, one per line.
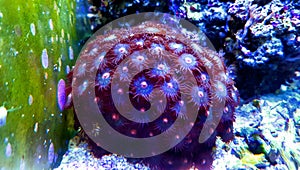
<point x="155" y="43"/>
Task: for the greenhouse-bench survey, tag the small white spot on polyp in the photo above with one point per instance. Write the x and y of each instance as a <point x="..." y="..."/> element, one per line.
<point x="226" y="109"/>
<point x="188" y="60"/>
<point x="176" y="45"/>
<point x="125" y="69"/>
<point x="120" y="91"/>
<point x="101" y="58"/>
<point x="133" y="132"/>
<point x="170" y="85"/>
<point x="165" y="120"/>
<point x="161" y="67"/>
<point x="144" y="84"/>
<point x="114" y="117"/>
<point x="203" y="77"/>
<point x="207" y="113"/>
<point x="140" y="58"/>
<point x="106" y="75"/>
<point x="158" y="49"/>
<point x="140" y="43"/>
<point x="191" y="125"/>
<point x="122" y="50"/>
<point x="221" y="89"/>
<point x="200" y="94"/>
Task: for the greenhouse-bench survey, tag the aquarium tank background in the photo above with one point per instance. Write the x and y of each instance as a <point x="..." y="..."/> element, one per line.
<point x="149" y="84"/>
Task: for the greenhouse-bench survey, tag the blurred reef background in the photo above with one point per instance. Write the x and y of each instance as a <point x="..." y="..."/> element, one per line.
<point x="40" y="40"/>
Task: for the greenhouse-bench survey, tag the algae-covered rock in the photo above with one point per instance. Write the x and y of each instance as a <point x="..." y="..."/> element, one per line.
<point x="36" y="46"/>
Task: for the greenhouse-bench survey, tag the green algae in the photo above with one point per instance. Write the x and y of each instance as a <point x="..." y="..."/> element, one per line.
<point x="26" y="29"/>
